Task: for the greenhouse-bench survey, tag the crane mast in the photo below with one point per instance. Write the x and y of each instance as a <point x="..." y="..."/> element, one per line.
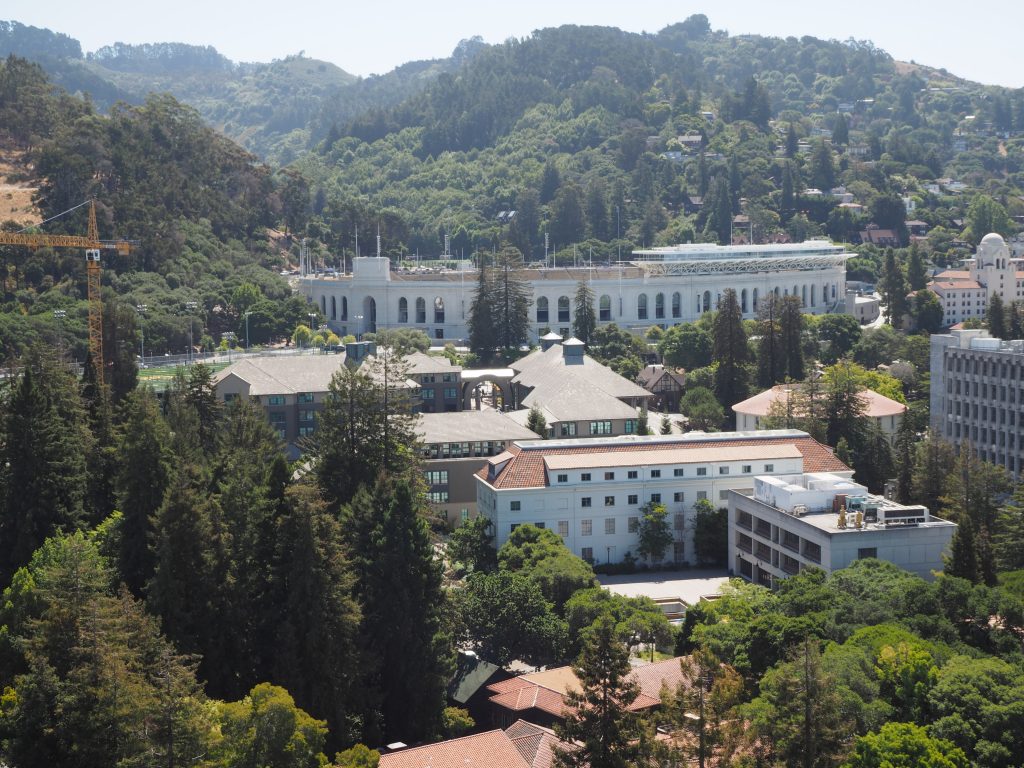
<point x="93" y="247"/>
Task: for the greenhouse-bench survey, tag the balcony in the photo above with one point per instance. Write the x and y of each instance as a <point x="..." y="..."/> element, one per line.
<point x="745" y="544"/>
<point x="763" y="529"/>
<point x="764" y="552"/>
<point x="790" y="566"/>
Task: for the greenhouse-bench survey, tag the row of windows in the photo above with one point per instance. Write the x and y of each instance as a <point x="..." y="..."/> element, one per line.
<point x="632" y="499"/>
<point x="436" y="477"/>
<point x="633" y="474"/>
<point x="450" y="393"/>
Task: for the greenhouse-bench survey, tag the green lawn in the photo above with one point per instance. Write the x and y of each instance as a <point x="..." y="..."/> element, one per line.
<point x="160" y="378"/>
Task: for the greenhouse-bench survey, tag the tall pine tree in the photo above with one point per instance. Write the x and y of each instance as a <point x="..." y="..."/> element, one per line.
<point x="585" y="322"/>
<point x="731" y="351"/>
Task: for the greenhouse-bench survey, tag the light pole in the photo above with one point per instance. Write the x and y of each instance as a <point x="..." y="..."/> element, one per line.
<point x="141" y="309"/>
<point x="618" y="236"/>
<point x="59" y="315"/>
<point x="190" y="307"/>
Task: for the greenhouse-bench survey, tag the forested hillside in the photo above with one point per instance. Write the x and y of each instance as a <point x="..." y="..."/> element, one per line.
<point x="276" y="110"/>
<point x="198" y="205"/>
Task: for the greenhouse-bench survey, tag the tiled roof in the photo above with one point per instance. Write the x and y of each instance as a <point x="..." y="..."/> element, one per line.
<point x="876" y="405"/>
<point x="470" y="427"/>
<point x="492" y="749"/>
<point x="535" y="743"/>
<point x="283" y="374"/>
<point x="548" y="373"/>
<point x="525" y="467"/>
<point x="672" y="456"/>
<point x="957" y="284"/>
<point x="546" y="690"/>
<point x="420" y="363"/>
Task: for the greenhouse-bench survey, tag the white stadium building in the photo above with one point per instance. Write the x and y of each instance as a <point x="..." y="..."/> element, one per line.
<point x="659" y="286"/>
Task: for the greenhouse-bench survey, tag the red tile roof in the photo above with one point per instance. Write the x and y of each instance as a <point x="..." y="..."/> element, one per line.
<point x="525" y="468"/>
<point x="546" y="690"/>
<point x="523" y="745"/>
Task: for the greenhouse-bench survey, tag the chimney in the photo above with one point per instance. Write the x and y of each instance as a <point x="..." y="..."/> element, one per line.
<point x="548" y="340"/>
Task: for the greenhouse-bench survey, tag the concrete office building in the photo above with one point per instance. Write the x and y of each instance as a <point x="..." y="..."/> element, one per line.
<point x="657" y="286"/>
<point x="827" y="521"/>
<point x="977" y="395"/>
<point x="591" y="491"/>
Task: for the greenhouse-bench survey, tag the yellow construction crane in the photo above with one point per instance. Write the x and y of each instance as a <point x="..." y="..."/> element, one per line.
<point x="93" y="246"/>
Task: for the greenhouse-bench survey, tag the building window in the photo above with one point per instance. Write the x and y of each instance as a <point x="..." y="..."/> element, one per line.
<point x="451" y="393"/>
<point x="585" y="501"/>
<point x="723" y="470"/>
<point x="515" y="506"/>
<point x="605" y="308"/>
<point x="600" y="427"/>
<point x="542" y="309"/>
<point x="275" y="400"/>
<point x="609" y="526"/>
<point x="632" y="499"/>
<point x="438" y="497"/>
<point x="440" y="477"/>
<point x="439" y="311"/>
<point x="567" y="428"/>
<point x="276" y="417"/>
<point x="630" y="426"/>
<point x="585" y="477"/>
<point x="563" y="309"/>
<point x="427" y="393"/>
<point x="769" y="467"/>
<point x="746" y="469"/>
<point x="641" y="306"/>
<point x="609" y="475"/>
<point x="421" y="310"/>
<point x="633" y="524"/>
<point x="655" y="473"/>
<point x="677" y="551"/>
<point x="678" y="496"/>
<point x="403" y="310"/>
<point x="609" y="501"/>
<point x="659" y="306"/>
<point x="865" y="552"/>
<point x="563" y="528"/>
<point x="678" y="472"/>
<point x="702" y="495"/>
<point x="679" y="522"/>
<point x="587" y="553"/>
<point x="306" y="431"/>
<point x="586" y="527"/>
<point x="307" y="415"/>
<point x="702" y="471"/>
<point x="631" y="474"/>
<point x="655" y="498"/>
<point x="464" y="514"/>
<point x="563" y="478"/>
<point x="305" y="397"/>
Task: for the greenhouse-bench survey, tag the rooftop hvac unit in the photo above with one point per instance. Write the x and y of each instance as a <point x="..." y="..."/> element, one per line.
<point x="800" y="510"/>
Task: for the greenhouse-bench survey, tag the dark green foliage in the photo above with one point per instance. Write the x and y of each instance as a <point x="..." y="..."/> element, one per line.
<point x="686" y="345"/>
<point x="710" y="534"/>
<point x="607" y="733"/>
<point x="535" y="421"/>
<point x="505" y="617"/>
<point x="541" y="555"/>
<point x="398" y="587"/>
<point x="791" y="326"/>
<point x="584" y="321"/>
<point x="893" y="288"/>
<point x="472" y="545"/>
<point x="145" y="462"/>
<point x="44" y="473"/>
<point x="996" y="317"/>
<point x="619" y="349"/>
<point x="731" y="352"/>
<point x="365" y="428"/>
<point x="654" y="534"/>
<point x="905" y="745"/>
<point x="499" y="312"/>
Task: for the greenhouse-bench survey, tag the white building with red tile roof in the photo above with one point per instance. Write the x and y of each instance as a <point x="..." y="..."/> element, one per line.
<point x="884" y="412"/>
<point x="966" y="293"/>
<point x="591" y="491"/>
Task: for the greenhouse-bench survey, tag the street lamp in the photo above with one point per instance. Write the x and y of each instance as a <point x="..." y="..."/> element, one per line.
<point x="141" y="309"/>
<point x="190" y="306"/>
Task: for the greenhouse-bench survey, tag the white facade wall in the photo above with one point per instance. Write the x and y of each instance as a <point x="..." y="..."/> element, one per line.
<point x="372" y="298"/>
<point x="563" y="502"/>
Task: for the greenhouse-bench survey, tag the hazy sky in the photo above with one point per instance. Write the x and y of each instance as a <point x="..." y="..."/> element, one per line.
<point x="978" y="40"/>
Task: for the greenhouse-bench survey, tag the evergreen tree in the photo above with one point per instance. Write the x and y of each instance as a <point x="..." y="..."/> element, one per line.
<point x="100" y="497"/>
<point x="787" y="197"/>
<point x="792" y="142"/>
<point x="822" y="166"/>
<point x="398" y="586"/>
<point x="903" y="458"/>
<point x="316" y="622"/>
<point x="717" y="211"/>
<point x="144" y="458"/>
<point x="366" y="427"/>
<point x="963" y="554"/>
<point x="510" y="301"/>
<point x="841" y="131"/>
<point x="731" y="351"/>
<point x="598" y="721"/>
<point x="43" y="471"/>
<point x="873" y="460"/>
<point x="996" y="318"/>
<point x="568" y="221"/>
<point x="188" y="564"/>
<point x="893" y="287"/>
<point x="535" y="421"/>
<point x="791" y="326"/>
<point x="585" y="322"/>
<point x="550" y="182"/>
<point x="482" y="326"/>
<point x="846" y="408"/>
<point x="770" y="365"/>
<point x="917" y="272"/>
<point x="933" y="463"/>
<point x="597" y="210"/>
